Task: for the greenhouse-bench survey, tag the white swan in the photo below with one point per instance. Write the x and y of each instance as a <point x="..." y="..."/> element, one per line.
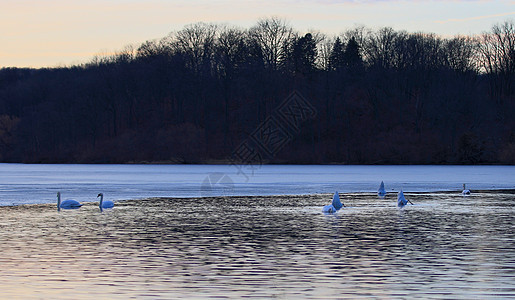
<point x="381" y="192"/>
<point x="465" y="191"/>
<point x="329" y="209"/>
<point x="66" y="204"/>
<point x="335" y="205"/>
<point x="104" y="204"/>
<point x="401" y="201"/>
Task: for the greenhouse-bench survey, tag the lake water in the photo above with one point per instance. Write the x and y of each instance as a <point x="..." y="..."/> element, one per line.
<point x="29" y="184"/>
<point x="446" y="246"/>
<point x="255" y="245"/>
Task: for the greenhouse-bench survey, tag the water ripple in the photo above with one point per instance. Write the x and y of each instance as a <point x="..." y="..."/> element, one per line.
<point x="445" y="246"/>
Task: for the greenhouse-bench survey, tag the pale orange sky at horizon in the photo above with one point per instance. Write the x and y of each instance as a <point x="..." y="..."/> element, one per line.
<point x="50" y="33"/>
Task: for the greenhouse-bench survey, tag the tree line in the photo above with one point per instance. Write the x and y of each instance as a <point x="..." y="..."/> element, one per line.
<point x="381" y="97"/>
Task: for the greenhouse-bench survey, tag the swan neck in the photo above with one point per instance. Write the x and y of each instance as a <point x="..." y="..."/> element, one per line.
<point x="101" y="200"/>
<point x="58" y="201"/>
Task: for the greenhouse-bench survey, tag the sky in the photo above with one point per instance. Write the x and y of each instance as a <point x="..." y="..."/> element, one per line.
<point x="57" y="33"/>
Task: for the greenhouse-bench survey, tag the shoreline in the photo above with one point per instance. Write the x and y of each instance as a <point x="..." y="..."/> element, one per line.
<point x="228" y="162"/>
<point x="262" y="197"/>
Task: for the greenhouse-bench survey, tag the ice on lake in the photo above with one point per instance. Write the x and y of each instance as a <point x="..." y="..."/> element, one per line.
<point x="29" y="184"/>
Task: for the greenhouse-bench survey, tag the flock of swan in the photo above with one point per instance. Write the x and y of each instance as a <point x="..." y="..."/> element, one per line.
<point x="73" y="204"/>
<point x="336" y="204"/>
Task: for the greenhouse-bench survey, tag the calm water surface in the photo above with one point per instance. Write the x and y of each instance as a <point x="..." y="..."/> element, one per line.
<point x="445" y="246"/>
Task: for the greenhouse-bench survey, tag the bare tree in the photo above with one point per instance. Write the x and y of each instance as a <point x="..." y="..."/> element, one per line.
<point x="231" y="41"/>
<point x="459" y="54"/>
<point x="419" y="51"/>
<point x="273" y="35"/>
<point x="325" y="48"/>
<point x="496" y="56"/>
<point x="380" y="47"/>
<point x="153" y="48"/>
<point x="197" y="41"/>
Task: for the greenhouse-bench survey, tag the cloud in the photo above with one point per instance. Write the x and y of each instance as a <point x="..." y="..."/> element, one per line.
<point x="475" y="18"/>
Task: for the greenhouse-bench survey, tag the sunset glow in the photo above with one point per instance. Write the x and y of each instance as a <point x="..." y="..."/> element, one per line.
<point x="57" y="32"/>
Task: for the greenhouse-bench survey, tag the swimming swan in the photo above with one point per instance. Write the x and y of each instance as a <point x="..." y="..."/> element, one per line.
<point x="381" y="192"/>
<point x="66" y="204"/>
<point x="104" y="204"/>
<point x="401" y="201"/>
<point x="334" y="206"/>
<point x="465" y="191"/>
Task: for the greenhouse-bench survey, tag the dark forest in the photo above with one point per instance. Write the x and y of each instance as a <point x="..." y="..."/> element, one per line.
<point x="197" y="95"/>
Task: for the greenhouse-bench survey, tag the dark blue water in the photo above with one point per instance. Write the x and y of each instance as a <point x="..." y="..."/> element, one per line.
<point x="446" y="246"/>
